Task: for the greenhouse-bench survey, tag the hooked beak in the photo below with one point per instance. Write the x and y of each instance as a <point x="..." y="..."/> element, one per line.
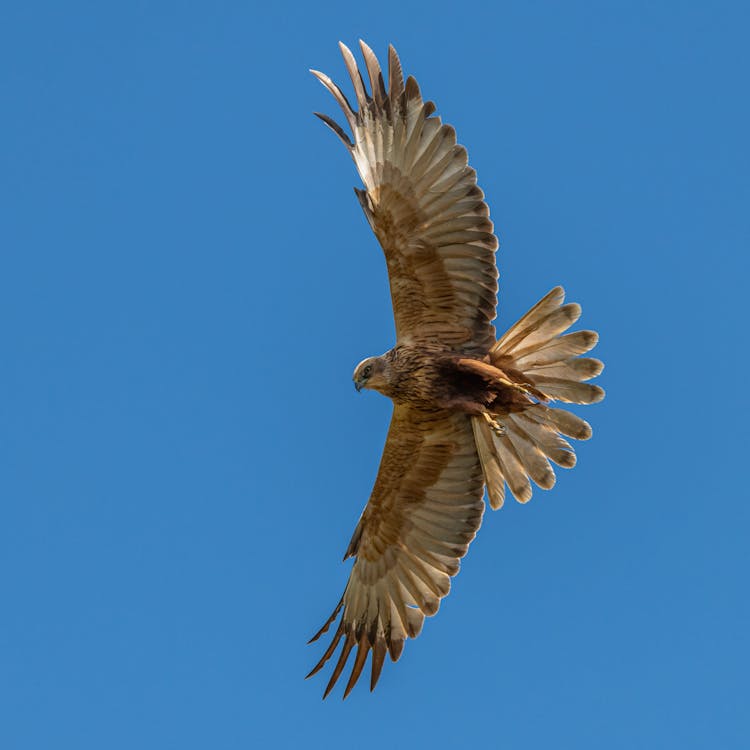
<point x="358" y="385"/>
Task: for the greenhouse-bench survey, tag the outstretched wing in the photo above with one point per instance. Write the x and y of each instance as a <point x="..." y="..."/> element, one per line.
<point x="424" y="511"/>
<point x="423" y="203"/>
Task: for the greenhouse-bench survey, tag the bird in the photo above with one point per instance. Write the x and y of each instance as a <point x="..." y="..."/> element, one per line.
<point x="472" y="413"/>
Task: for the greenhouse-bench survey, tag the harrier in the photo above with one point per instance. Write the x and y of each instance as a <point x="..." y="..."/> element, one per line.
<point x="469" y="410"/>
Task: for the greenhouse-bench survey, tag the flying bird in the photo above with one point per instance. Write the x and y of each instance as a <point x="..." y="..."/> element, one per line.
<point x="469" y="410"/>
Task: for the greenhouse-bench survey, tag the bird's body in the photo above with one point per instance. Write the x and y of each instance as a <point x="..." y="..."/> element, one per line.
<point x="470" y="411"/>
<point x="430" y="377"/>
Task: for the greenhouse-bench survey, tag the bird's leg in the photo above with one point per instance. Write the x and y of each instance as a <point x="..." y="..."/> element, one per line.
<point x="525" y="388"/>
<point x="520" y="387"/>
<point x="495" y="426"/>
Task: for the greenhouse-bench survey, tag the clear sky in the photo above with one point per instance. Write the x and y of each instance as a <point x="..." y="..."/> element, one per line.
<point x="186" y="284"/>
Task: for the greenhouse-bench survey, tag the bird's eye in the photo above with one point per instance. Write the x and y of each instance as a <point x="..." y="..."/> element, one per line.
<point x="367" y="371"/>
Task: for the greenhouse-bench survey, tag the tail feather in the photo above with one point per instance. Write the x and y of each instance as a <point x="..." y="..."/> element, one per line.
<point x="546" y="438"/>
<point x="544" y="331"/>
<point x="567" y="390"/>
<point x="512" y="467"/>
<point x="565" y="422"/>
<point x="573" y="368"/>
<point x="557" y="350"/>
<point x="531" y="456"/>
<point x="493" y="474"/>
<point x="532" y="318"/>
<point x="538" y="349"/>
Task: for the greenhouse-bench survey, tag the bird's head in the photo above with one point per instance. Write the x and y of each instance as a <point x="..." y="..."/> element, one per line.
<point x="371" y="373"/>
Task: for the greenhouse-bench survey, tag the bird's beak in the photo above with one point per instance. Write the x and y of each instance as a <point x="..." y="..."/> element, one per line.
<point x="358" y="385"/>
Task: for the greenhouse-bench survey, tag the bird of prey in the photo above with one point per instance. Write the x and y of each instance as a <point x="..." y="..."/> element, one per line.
<point x="469" y="410"/>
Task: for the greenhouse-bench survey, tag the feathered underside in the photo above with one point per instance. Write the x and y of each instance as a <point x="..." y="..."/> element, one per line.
<point x="423" y="203"/>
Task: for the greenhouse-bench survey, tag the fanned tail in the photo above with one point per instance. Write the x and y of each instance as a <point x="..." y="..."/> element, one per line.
<point x="539" y="354"/>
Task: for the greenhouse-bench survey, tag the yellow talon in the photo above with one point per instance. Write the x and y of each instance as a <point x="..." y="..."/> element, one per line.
<point x="495" y="426"/>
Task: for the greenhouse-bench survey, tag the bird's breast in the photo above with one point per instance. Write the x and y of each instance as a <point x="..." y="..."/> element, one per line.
<point x="427" y="378"/>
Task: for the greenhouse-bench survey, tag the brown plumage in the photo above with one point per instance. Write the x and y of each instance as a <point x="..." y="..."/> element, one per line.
<point x="469" y="411"/>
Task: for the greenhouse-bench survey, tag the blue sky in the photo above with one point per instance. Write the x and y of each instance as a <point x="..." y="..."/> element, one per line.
<point x="186" y="283"/>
